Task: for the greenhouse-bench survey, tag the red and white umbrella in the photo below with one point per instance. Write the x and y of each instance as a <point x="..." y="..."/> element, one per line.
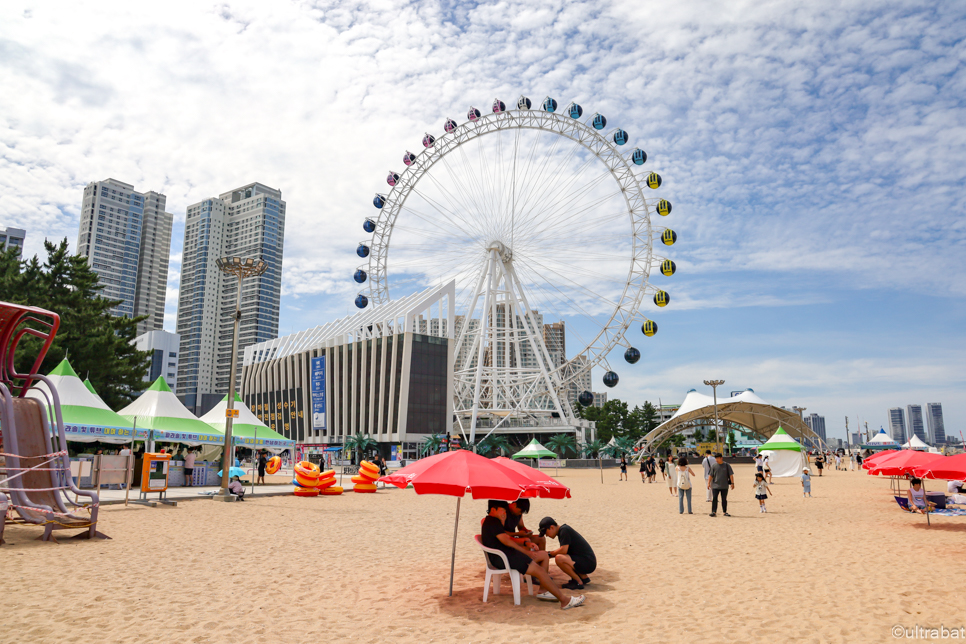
<point x="549" y="488"/>
<point x="902" y="463"/>
<point x="458" y="472"/>
<point x="948" y="468"/>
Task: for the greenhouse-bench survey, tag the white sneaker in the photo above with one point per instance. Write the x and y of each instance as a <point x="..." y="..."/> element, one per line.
<point x="546" y="596"/>
<point x="575" y="601"/>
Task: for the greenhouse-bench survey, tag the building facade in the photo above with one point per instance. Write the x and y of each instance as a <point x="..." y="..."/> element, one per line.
<point x="126" y="237"/>
<point x="897" y="425"/>
<point x="817" y="424"/>
<point x="247" y="222"/>
<point x="916" y="426"/>
<point x="380" y="372"/>
<point x="164" y="348"/>
<point x="934" y="421"/>
<point x="12" y="238"/>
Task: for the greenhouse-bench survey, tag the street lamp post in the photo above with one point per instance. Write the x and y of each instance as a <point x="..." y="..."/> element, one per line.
<point x="717" y="430"/>
<point x="241" y="268"/>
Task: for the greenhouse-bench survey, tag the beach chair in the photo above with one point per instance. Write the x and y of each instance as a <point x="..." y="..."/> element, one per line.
<point x="37" y="476"/>
<point x="496" y="573"/>
<point x="903" y="502"/>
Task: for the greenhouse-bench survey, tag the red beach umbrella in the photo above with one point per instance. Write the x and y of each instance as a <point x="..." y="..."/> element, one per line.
<point x="549" y="488"/>
<point x="901" y="463"/>
<point x="869" y="462"/>
<point x="456" y="473"/>
<point x="948" y="468"/>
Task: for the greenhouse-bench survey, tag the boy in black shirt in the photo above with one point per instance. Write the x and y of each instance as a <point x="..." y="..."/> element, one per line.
<point x="574" y="556"/>
<point x="493" y="535"/>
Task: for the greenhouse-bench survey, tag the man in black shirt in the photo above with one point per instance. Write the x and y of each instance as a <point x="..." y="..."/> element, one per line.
<point x="527" y="562"/>
<point x="515" y="527"/>
<point x="574" y="556"/>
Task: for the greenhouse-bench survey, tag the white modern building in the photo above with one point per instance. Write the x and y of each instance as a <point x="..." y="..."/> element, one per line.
<point x="934" y="420"/>
<point x="916" y="426"/>
<point x="126" y="237"/>
<point x="897" y="425"/>
<point x="247" y="222"/>
<point x="164" y="347"/>
<point x="12" y="237"/>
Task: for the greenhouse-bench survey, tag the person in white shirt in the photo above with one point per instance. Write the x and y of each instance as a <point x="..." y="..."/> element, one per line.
<point x="706" y="464"/>
<point x="189" y="468"/>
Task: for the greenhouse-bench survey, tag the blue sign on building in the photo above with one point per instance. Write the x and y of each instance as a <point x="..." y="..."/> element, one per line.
<point x="318" y="393"/>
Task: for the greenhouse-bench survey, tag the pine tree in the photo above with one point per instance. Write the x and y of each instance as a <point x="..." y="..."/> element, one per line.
<point x="97" y="343"/>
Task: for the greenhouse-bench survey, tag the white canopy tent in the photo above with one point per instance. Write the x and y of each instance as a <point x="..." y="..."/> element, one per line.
<point x="881" y="441"/>
<point x="745" y="409"/>
<point x="785" y="456"/>
<point x="916" y="443"/>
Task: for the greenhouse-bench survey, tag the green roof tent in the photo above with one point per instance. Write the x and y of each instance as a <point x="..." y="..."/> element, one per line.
<point x="785" y="456"/>
<point x="247" y="430"/>
<point x="159" y="410"/>
<point x="534" y="450"/>
<point x="86" y="417"/>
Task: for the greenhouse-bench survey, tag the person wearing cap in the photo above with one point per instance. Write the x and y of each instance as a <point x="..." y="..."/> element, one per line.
<point x="722" y="477"/>
<point x="806" y="483"/>
<point x="574" y="556"/>
<point x="535" y="563"/>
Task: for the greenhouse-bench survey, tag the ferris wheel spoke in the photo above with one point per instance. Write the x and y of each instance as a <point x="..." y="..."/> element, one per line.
<point x="552" y="184"/>
<point x="545" y="180"/>
<point x="563" y="222"/>
<point x="461" y="204"/>
<point x="451" y="216"/>
<point x="590" y="292"/>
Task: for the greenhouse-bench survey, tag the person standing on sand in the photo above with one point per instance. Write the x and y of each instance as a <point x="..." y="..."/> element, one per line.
<point x="262" y="462"/>
<point x="722" y="478"/>
<point x="189" y="468"/>
<point x="761" y="491"/>
<point x="819" y="463"/>
<point x="651" y="469"/>
<point x="669" y="471"/>
<point x="767" y="471"/>
<point x="643" y="469"/>
<point x="806" y="483"/>
<point x="706" y="464"/>
<point x="623" y="476"/>
<point x="684" y="474"/>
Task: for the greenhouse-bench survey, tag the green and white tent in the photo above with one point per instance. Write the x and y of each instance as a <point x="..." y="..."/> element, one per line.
<point x="86" y="417"/>
<point x="785" y="456"/>
<point x="534" y="450"/>
<point x="160" y="411"/>
<point x="247" y="430"/>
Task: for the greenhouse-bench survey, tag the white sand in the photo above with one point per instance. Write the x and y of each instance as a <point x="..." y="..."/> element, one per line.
<point x="844" y="566"/>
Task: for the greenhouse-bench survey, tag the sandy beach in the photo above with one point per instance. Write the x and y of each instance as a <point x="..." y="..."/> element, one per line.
<point x="843" y="566"/>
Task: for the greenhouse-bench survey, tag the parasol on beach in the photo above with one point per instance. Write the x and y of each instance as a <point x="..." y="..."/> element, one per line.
<point x="948" y="468"/>
<point x="234" y="471"/>
<point x="455" y="474"/>
<point x="869" y="462"/>
<point x="902" y="463"/>
<point x="549" y="488"/>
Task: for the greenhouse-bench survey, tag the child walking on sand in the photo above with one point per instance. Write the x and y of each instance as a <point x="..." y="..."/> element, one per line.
<point x="761" y="491"/>
<point x="806" y="483"/>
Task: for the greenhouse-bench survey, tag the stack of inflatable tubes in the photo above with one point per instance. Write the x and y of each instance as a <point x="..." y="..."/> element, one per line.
<point x="273" y="465"/>
<point x="309" y="481"/>
<point x="365" y="481"/>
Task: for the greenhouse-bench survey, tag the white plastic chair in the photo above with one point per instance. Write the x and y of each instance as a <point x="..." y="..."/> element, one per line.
<point x="496" y="573"/>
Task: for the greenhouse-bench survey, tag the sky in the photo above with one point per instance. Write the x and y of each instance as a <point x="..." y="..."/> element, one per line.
<point x="814" y="152"/>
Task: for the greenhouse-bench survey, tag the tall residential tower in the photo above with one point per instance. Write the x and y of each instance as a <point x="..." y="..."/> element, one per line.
<point x="245" y="222"/>
<point x="934" y="420"/>
<point x="897" y="425"/>
<point x="126" y="237"/>
<point x="916" y="426"/>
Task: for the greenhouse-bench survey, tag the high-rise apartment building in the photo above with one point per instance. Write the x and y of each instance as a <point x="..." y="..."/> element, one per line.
<point x="934" y="420"/>
<point x="916" y="425"/>
<point x="126" y="237"/>
<point x="897" y="425"/>
<point x="247" y="222"/>
<point x="164" y="348"/>
<point x="817" y="424"/>
<point x="12" y="237"/>
<point x="555" y="337"/>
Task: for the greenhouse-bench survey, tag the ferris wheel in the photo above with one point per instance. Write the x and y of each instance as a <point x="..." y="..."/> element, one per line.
<point x="543" y="219"/>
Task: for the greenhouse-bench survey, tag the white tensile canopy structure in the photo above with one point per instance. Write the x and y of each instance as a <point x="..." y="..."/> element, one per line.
<point x="247" y="430"/>
<point x="785" y="455"/>
<point x="916" y="443"/>
<point x="746" y="409"/>
<point x="159" y="410"/>
<point x="882" y="441"/>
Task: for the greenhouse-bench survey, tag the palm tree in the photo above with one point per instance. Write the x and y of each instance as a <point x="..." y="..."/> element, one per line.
<point x="360" y="444"/>
<point x="431" y="445"/>
<point x="561" y="443"/>
<point x="493" y="443"/>
<point x="594" y="448"/>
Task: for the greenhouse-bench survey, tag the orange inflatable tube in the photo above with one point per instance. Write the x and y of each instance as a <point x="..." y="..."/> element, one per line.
<point x="307" y="469"/>
<point x="335" y="490"/>
<point x="274" y="465"/>
<point x="371" y="468"/>
<point x="364" y="487"/>
<point x="326" y="483"/>
<point x="305" y="481"/>
<point x="360" y="480"/>
<point x="306" y="491"/>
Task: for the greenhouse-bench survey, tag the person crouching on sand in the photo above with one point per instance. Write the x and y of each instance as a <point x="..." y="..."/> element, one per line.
<point x="574" y="556"/>
<point x="526" y="562"/>
<point x="236" y="488"/>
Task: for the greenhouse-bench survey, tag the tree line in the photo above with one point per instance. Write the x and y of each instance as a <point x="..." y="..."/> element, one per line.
<point x="97" y="344"/>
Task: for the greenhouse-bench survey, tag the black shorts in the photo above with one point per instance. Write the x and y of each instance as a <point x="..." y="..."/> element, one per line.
<point x="261" y="472"/>
<point x="188" y="471"/>
<point x="761" y="497"/>
<point x="518" y="561"/>
<point x="584" y="566"/>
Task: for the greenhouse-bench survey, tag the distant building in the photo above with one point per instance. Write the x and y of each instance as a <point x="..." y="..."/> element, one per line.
<point x="247" y="222"/>
<point x="164" y="348"/>
<point x="126" y="237"/>
<point x="817" y="424"/>
<point x="915" y="422"/>
<point x="934" y="419"/>
<point x="857" y="438"/>
<point x="12" y="237"/>
<point x="897" y="425"/>
<point x="600" y="397"/>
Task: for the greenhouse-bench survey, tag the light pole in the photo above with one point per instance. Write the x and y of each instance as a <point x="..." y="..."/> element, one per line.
<point x="801" y="411"/>
<point x="717" y="430"/>
<point x="241" y="268"/>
